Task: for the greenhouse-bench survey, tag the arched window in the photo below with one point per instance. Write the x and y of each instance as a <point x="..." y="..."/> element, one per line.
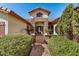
<point x="39" y="14"/>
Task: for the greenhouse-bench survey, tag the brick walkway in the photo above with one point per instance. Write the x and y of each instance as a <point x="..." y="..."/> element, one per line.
<point x="40" y="39"/>
<point x="39" y="47"/>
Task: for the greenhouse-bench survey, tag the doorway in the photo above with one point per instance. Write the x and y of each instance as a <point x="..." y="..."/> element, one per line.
<point x="2" y="29"/>
<point x="39" y="29"/>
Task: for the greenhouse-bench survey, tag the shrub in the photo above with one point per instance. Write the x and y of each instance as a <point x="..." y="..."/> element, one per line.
<point x="15" y="45"/>
<point x="61" y="46"/>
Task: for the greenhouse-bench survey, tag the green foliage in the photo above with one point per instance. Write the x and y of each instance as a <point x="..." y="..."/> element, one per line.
<point x="15" y="45"/>
<point x="75" y="22"/>
<point x="64" y="26"/>
<point x="64" y="23"/>
<point x="61" y="46"/>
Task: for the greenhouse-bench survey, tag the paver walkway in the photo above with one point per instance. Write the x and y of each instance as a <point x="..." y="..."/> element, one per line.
<point x="39" y="48"/>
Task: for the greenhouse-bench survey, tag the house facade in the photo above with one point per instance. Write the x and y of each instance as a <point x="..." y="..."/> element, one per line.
<point x="12" y="23"/>
<point x="40" y="23"/>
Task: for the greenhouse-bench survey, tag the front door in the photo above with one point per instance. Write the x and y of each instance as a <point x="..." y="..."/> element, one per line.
<point x="39" y="29"/>
<point x="2" y="29"/>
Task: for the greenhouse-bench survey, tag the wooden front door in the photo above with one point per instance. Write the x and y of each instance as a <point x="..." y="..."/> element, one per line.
<point x="2" y="29"/>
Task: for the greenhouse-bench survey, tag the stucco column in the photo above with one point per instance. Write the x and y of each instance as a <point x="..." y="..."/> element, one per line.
<point x="45" y="27"/>
<point x="33" y="24"/>
<point x="34" y="28"/>
<point x="54" y="29"/>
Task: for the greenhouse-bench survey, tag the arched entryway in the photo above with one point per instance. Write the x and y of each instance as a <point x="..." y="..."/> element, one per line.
<point x="39" y="27"/>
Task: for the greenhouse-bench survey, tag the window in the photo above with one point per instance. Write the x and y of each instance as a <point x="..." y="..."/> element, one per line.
<point x="29" y="27"/>
<point x="3" y="16"/>
<point x="39" y="14"/>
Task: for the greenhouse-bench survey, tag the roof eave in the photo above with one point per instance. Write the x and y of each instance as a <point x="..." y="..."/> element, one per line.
<point x="40" y="8"/>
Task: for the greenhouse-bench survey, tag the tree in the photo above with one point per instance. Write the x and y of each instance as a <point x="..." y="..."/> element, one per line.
<point x="75" y="23"/>
<point x="65" y="23"/>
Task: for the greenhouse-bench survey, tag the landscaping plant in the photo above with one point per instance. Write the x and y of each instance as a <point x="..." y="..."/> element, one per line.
<point x="15" y="45"/>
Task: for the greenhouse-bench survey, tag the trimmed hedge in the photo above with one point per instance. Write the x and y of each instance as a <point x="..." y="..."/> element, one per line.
<point x="61" y="46"/>
<point x="15" y="45"/>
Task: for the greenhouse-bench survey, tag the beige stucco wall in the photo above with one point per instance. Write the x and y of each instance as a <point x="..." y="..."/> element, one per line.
<point x="15" y="25"/>
<point x="39" y="24"/>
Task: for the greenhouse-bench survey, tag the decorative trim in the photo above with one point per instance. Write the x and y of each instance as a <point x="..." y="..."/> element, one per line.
<point x="45" y="16"/>
<point x="6" y="25"/>
<point x="54" y="29"/>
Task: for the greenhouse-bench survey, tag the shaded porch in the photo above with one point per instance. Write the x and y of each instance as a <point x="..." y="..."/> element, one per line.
<point x="39" y="29"/>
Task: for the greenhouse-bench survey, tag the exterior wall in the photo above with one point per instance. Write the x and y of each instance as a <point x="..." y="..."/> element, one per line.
<point x="33" y="14"/>
<point x="39" y="24"/>
<point x="16" y="26"/>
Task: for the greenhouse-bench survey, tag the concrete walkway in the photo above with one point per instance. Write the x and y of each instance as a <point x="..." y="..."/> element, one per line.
<point x="39" y="47"/>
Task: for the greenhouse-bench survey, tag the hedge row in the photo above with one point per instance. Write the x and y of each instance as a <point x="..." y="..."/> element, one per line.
<point x="15" y="45"/>
<point x="61" y="46"/>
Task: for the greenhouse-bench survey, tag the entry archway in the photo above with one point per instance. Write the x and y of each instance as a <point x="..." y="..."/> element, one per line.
<point x="39" y="27"/>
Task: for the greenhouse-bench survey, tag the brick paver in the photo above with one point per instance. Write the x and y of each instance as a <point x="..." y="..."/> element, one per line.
<point x="39" y="48"/>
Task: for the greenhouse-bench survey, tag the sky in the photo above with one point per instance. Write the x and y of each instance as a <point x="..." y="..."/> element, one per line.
<point x="23" y="8"/>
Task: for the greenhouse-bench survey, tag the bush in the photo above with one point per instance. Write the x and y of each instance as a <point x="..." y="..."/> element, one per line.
<point x="61" y="46"/>
<point x="15" y="45"/>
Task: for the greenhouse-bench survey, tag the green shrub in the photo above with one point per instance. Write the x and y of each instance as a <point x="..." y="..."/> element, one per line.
<point x="15" y="45"/>
<point x="61" y="46"/>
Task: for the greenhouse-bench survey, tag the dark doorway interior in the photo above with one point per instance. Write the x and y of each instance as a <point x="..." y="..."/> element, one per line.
<point x="39" y="29"/>
<point x="50" y="27"/>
